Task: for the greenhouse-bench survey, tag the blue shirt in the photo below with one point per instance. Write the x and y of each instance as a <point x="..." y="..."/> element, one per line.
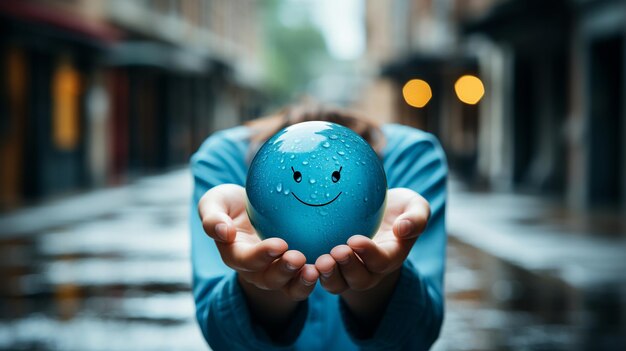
<point x="412" y="159"/>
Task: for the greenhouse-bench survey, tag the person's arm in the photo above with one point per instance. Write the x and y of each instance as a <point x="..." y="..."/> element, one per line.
<point x="233" y="312"/>
<point x="388" y="301"/>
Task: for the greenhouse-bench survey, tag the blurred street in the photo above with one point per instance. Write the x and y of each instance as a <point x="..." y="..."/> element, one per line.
<point x="109" y="270"/>
<point x="523" y="274"/>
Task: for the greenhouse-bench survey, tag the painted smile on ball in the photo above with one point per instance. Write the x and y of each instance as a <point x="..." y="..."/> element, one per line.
<point x="297" y="177"/>
<point x="315" y="205"/>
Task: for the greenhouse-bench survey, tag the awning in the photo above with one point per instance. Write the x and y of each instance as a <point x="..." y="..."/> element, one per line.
<point x="425" y="66"/>
<point x="522" y="20"/>
<point x="159" y="55"/>
<point x="49" y="21"/>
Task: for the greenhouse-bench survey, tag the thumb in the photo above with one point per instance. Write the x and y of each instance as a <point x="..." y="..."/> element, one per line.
<point x="219" y="226"/>
<point x="213" y="211"/>
<point x="413" y="221"/>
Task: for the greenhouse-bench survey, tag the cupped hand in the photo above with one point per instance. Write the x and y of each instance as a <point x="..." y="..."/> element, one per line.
<point x="264" y="264"/>
<point x="363" y="263"/>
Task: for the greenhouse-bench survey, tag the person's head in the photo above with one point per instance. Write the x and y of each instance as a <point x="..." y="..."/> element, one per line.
<point x="264" y="128"/>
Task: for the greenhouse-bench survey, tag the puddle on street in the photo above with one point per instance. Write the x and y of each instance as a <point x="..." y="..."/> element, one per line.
<point x="491" y="306"/>
<point x="116" y="282"/>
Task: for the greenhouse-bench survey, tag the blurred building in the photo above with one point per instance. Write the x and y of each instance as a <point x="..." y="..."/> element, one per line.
<point x="561" y="113"/>
<point x="94" y="92"/>
<point x="552" y="120"/>
<point x="411" y="39"/>
<point x="551" y="127"/>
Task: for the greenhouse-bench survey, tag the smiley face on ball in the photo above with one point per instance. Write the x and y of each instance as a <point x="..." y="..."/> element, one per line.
<point x="315" y="184"/>
<point x="297" y="177"/>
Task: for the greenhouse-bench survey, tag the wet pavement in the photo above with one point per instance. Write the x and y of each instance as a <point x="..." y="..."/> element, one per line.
<point x="109" y="270"/>
<point x="479" y="315"/>
<point x="526" y="274"/>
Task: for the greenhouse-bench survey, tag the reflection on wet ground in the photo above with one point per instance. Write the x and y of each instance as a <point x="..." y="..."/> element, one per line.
<point x="117" y="281"/>
<point x="487" y="314"/>
<point x="110" y="271"/>
<point x="526" y="274"/>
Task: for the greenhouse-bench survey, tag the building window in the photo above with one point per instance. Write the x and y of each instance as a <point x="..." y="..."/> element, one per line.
<point x="65" y="113"/>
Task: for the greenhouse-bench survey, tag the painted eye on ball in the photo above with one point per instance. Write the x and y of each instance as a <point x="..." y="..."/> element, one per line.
<point x="297" y="176"/>
<point x="336" y="175"/>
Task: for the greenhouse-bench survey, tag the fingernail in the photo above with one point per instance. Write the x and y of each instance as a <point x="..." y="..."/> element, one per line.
<point x="306" y="282"/>
<point x="290" y="267"/>
<point x="327" y="274"/>
<point x="273" y="253"/>
<point x="221" y="230"/>
<point x="344" y="260"/>
<point x="358" y="250"/>
<point x="405" y="227"/>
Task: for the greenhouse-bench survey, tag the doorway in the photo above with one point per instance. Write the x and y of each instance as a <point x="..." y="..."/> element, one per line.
<point x="606" y="92"/>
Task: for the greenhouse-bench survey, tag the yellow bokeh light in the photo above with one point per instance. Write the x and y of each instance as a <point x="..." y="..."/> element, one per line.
<point x="417" y="93"/>
<point x="469" y="89"/>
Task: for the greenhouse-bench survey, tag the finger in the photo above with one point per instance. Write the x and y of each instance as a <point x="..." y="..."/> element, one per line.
<point x="213" y="209"/>
<point x="251" y="258"/>
<point x="219" y="227"/>
<point x="412" y="222"/>
<point x="375" y="258"/>
<point x="300" y="287"/>
<point x="330" y="276"/>
<point x="352" y="269"/>
<point x="281" y="271"/>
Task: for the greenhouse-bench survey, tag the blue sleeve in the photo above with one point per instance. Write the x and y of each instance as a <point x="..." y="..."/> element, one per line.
<point x="413" y="317"/>
<point x="221" y="307"/>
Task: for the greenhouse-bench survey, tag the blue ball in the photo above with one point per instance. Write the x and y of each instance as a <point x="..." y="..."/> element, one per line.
<point x="315" y="184"/>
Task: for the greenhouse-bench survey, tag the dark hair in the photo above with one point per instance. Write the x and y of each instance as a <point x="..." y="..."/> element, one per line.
<point x="264" y="128"/>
